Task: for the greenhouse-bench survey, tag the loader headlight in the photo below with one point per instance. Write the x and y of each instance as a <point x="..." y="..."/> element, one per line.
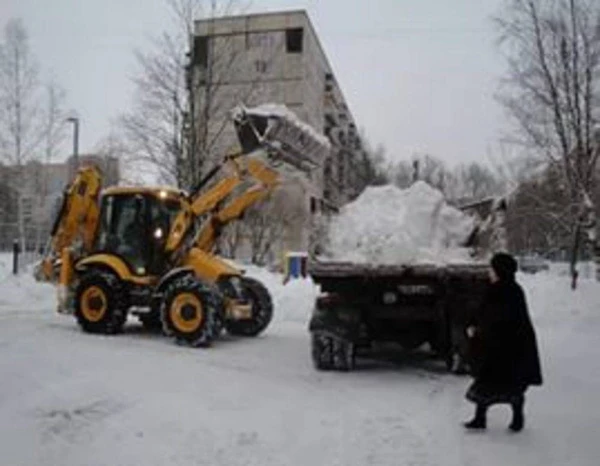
<point x="158" y="233"/>
<point x="162" y="194"/>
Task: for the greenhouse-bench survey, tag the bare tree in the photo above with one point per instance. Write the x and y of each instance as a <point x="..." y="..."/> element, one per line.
<point x="54" y="115"/>
<point x="266" y="224"/>
<point x="373" y="166"/>
<point x="552" y="92"/>
<point x="20" y="135"/>
<point x="423" y="167"/>
<point x="232" y="239"/>
<point x="183" y="96"/>
<point x="52" y="127"/>
<point x="473" y="182"/>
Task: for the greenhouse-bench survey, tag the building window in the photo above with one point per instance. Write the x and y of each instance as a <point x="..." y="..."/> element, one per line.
<point x="313" y="205"/>
<point x="200" y="52"/>
<point x="259" y="40"/>
<point x="294" y="39"/>
<point x="260" y="66"/>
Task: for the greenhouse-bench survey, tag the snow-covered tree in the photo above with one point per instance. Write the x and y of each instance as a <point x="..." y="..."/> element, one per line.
<point x="552" y="93"/>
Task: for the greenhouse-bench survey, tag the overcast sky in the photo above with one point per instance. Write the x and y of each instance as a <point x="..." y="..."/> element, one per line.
<point x="419" y="76"/>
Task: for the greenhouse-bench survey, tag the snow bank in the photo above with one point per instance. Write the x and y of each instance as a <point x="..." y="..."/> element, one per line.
<point x="554" y="302"/>
<point x="5" y="265"/>
<point x="23" y="293"/>
<point x="293" y="301"/>
<point x="388" y="225"/>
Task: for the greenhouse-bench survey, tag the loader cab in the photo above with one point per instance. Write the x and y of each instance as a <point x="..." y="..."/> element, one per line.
<point x="133" y="225"/>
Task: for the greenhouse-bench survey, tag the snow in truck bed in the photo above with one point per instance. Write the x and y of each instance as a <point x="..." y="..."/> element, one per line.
<point x="389" y="225"/>
<point x="68" y="398"/>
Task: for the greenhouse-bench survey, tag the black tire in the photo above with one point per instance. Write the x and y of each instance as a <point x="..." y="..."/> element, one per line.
<point x="197" y="328"/>
<point x="99" y="307"/>
<point x="262" y="310"/>
<point x="332" y="353"/>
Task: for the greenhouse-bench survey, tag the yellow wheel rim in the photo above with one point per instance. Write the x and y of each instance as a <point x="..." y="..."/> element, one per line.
<point x="186" y="313"/>
<point x="93" y="304"/>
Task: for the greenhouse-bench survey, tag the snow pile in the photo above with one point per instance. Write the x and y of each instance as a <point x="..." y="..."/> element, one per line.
<point x="388" y="225"/>
<point x="23" y="293"/>
<point x="293" y="302"/>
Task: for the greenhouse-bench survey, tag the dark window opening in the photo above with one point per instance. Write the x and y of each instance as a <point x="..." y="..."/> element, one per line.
<point x="261" y="66"/>
<point x="313" y="205"/>
<point x="200" y="52"/>
<point x="293" y="40"/>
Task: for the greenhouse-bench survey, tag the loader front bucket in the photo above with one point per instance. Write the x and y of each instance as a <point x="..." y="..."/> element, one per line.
<point x="280" y="132"/>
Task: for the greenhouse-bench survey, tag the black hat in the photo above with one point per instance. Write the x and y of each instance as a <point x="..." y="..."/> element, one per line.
<point x="504" y="265"/>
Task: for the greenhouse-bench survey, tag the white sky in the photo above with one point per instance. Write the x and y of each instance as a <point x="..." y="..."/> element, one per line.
<point x="419" y="75"/>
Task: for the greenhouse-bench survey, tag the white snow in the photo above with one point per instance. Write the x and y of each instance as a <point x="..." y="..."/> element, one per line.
<point x="389" y="225"/>
<point x="68" y="398"/>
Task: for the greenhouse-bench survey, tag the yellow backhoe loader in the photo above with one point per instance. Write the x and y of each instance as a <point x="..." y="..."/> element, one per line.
<point x="149" y="251"/>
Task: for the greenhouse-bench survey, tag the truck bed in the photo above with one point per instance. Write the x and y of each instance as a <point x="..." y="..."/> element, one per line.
<point x="322" y="270"/>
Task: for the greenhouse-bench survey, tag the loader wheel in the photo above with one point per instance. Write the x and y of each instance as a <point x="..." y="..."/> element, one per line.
<point x="98" y="307"/>
<point x="262" y="310"/>
<point x="332" y="353"/>
<point x="189" y="312"/>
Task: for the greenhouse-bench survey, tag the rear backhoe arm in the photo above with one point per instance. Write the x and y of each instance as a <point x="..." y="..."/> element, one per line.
<point x="75" y="223"/>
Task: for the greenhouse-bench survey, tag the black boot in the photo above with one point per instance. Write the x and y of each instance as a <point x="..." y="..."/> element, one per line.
<point x="518" y="420"/>
<point x="479" y="421"/>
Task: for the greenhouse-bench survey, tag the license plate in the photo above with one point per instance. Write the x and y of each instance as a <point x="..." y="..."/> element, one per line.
<point x="420" y="290"/>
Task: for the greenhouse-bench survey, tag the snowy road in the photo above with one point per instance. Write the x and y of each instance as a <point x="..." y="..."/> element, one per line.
<point x="67" y="398"/>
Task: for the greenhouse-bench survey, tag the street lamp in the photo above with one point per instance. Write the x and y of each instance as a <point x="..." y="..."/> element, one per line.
<point x="75" y="122"/>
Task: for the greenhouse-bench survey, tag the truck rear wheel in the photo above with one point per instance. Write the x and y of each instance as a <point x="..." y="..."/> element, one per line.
<point x="98" y="307"/>
<point x="332" y="353"/>
<point x="189" y="311"/>
<point x="262" y="310"/>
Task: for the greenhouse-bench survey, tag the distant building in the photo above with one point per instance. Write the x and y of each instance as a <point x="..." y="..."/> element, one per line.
<point x="278" y="58"/>
<point x="39" y="193"/>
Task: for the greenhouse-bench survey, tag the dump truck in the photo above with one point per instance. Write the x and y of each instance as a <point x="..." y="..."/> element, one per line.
<point x="361" y="305"/>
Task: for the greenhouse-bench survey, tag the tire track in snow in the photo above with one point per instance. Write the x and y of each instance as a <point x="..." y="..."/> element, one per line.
<point x="74" y="425"/>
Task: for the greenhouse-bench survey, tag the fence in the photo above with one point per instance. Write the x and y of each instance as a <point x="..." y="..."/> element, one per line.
<point x="35" y="241"/>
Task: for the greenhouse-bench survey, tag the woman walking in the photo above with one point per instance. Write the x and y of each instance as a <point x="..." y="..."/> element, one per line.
<point x="506" y="362"/>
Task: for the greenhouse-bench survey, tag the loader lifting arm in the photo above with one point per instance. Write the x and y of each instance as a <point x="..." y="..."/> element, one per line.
<point x="269" y="139"/>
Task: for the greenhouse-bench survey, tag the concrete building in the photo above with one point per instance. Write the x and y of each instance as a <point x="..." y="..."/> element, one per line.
<point x="278" y="58"/>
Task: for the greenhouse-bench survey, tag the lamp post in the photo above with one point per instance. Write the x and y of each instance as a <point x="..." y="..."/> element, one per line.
<point x="75" y="122"/>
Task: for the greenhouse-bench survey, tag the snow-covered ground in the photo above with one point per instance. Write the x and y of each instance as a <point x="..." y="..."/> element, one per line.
<point x="68" y="398"/>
